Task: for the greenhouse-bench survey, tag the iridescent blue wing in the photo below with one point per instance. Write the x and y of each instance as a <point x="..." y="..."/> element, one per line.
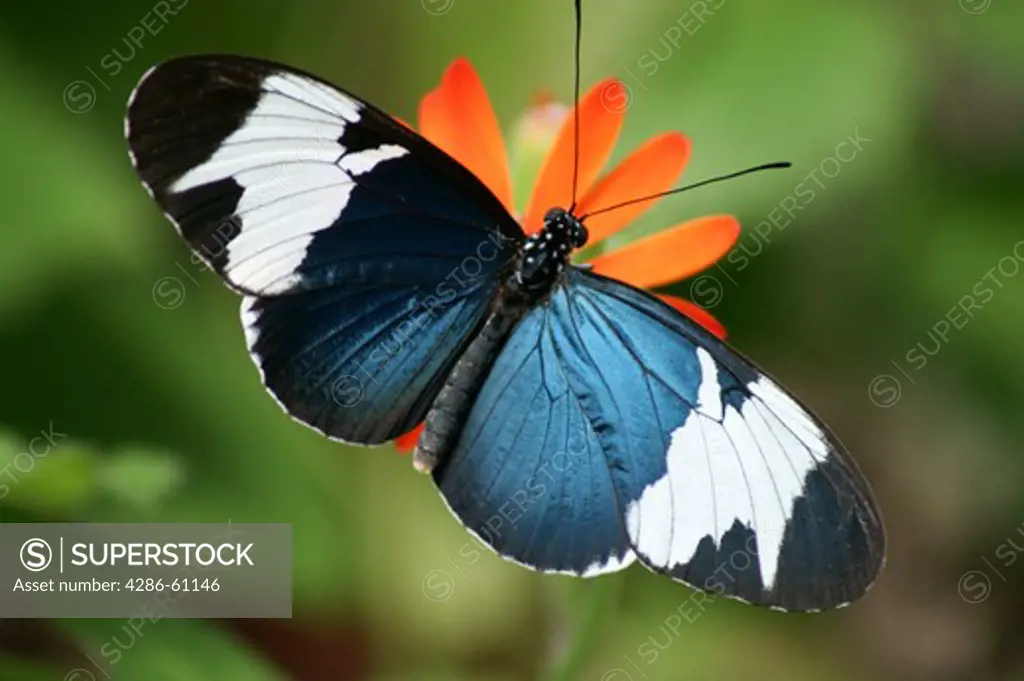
<point x="529" y="476"/>
<point x="656" y="441"/>
<point x="349" y="234"/>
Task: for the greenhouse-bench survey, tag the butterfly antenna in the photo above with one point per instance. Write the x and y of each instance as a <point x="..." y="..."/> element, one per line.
<point x="678" y="190"/>
<point x="576" y="108"/>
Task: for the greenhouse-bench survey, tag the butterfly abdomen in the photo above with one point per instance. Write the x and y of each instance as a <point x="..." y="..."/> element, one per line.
<point x="448" y="412"/>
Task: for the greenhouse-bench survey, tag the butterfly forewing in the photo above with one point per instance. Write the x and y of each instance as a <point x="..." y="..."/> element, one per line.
<point x="253" y="161"/>
<point x="369" y="257"/>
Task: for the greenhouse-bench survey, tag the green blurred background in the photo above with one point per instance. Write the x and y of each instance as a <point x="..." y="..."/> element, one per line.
<point x="158" y="414"/>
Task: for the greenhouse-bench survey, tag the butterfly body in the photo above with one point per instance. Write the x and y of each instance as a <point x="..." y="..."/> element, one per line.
<point x="574" y="423"/>
<point x="450" y="408"/>
<point x="546" y="254"/>
<point x="539" y="266"/>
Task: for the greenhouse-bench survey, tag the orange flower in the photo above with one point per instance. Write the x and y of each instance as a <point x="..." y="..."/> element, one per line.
<point x="458" y="118"/>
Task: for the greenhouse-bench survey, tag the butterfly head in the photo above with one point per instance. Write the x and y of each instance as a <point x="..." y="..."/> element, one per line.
<point x="546" y="253"/>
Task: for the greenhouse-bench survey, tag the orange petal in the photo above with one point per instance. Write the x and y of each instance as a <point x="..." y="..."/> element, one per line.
<point x="697" y="314"/>
<point x="602" y="111"/>
<point x="672" y="254"/>
<point x="652" y="168"/>
<point x="458" y="118"/>
<point x="406" y="443"/>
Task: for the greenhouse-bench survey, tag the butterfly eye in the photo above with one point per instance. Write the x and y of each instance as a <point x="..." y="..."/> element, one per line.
<point x="580" y="236"/>
<point x="554" y="216"/>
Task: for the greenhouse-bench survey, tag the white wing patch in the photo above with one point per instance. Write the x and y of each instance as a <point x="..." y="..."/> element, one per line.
<point x="365" y="161"/>
<point x="274" y="238"/>
<point x="726" y="465"/>
<point x="709" y="394"/>
<point x="295" y="174"/>
<point x="310" y="93"/>
<point x="675" y="513"/>
<point x="613" y="564"/>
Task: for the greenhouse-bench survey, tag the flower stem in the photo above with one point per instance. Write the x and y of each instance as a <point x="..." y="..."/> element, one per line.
<point x="589" y="605"/>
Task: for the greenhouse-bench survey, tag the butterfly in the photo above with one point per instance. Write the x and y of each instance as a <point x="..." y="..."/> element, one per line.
<point x="574" y="424"/>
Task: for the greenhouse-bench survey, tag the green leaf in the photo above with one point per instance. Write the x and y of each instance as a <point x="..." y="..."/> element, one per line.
<point x="51" y="481"/>
<point x="141" y="478"/>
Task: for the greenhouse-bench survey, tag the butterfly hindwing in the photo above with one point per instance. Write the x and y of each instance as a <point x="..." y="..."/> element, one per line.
<point x="349" y="234"/>
<point x="713" y="474"/>
<point x="528" y="477"/>
<point x="365" y="375"/>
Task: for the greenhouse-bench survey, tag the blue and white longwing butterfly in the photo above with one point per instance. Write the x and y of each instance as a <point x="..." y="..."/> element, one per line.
<point x="575" y="424"/>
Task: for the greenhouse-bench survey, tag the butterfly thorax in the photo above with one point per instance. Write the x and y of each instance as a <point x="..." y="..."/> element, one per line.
<point x="545" y="255"/>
